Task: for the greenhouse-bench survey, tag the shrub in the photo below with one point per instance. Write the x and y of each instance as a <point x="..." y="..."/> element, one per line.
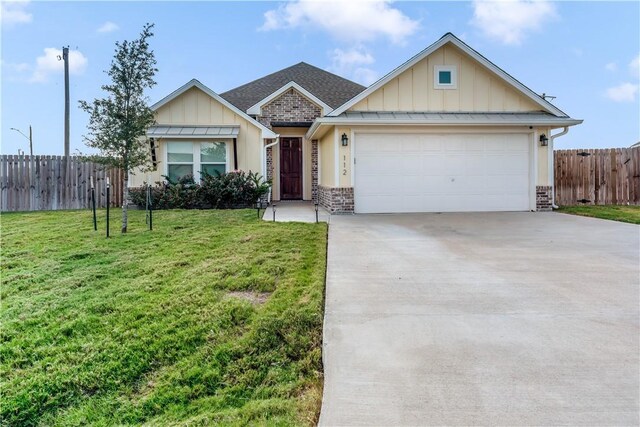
<point x="231" y="190"/>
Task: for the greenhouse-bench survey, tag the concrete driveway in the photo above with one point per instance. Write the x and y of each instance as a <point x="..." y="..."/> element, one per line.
<point x="470" y="319"/>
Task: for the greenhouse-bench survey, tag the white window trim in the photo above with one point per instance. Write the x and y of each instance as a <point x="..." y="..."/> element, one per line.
<point x="454" y="77"/>
<point x="197" y="164"/>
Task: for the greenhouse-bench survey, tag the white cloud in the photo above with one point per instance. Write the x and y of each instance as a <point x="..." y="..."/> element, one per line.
<point x="342" y="59"/>
<point x="14" y="12"/>
<point x="49" y="63"/>
<point x="634" y="66"/>
<point x="611" y="66"/>
<point x="510" y="21"/>
<point x="625" y="92"/>
<point x="365" y="76"/>
<point x="349" y="63"/>
<point x="108" y="27"/>
<point x="16" y="67"/>
<point x="348" y="21"/>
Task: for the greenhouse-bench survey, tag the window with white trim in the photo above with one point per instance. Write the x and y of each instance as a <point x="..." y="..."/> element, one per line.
<point x="196" y="158"/>
<point x="445" y="77"/>
<point x="213" y="158"/>
<point x="179" y="160"/>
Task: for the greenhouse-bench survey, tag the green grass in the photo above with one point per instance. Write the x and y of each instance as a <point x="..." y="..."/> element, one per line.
<point x="616" y="213"/>
<point x="214" y="317"/>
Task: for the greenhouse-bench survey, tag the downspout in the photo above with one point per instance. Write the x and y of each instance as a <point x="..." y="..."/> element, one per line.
<point x="552" y="166"/>
<point x="264" y="163"/>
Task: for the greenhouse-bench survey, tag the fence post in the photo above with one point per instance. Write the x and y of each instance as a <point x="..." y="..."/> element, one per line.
<point x="107" y="206"/>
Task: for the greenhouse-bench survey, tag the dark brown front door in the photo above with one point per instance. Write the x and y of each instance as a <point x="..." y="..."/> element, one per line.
<point x="290" y="168"/>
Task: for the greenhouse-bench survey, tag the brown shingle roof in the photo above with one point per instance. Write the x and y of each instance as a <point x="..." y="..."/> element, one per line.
<point x="333" y="90"/>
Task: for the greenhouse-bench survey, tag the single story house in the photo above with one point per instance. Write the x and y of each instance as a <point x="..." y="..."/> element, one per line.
<point x="446" y="131"/>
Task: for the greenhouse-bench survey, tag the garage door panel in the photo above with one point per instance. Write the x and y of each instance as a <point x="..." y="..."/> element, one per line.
<point x="412" y="164"/>
<point x="516" y="163"/>
<point x="374" y="165"/>
<point x="381" y="204"/>
<point x="434" y="184"/>
<point x="474" y="164"/>
<point x="433" y="164"/>
<point x="430" y="144"/>
<point x="411" y="144"/>
<point x="382" y="185"/>
<point x="442" y="173"/>
<point x="496" y="144"/>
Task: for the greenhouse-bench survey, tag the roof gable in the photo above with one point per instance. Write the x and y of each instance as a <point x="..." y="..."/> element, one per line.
<point x="514" y="88"/>
<point x="327" y="87"/>
<point x="255" y="109"/>
<point x="266" y="132"/>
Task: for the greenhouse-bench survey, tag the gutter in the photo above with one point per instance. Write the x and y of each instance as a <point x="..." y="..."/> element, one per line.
<point x="552" y="166"/>
<point x="345" y="121"/>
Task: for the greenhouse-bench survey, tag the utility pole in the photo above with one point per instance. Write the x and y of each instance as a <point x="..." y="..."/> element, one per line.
<point x="65" y="57"/>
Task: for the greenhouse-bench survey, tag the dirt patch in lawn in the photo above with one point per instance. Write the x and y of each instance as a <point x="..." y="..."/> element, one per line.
<point x="256" y="298"/>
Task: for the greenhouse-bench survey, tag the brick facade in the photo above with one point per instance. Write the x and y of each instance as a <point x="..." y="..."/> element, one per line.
<point x="543" y="198"/>
<point x="336" y="199"/>
<point x="270" y="164"/>
<point x="291" y="106"/>
<point x="314" y="170"/>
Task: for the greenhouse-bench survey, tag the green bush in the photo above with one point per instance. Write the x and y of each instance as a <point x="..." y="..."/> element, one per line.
<point x="237" y="189"/>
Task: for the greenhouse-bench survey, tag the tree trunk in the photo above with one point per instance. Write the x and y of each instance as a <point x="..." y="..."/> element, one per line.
<point x="125" y="203"/>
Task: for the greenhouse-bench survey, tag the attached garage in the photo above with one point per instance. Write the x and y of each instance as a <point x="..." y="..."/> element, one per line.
<point x="412" y="172"/>
<point x="447" y="131"/>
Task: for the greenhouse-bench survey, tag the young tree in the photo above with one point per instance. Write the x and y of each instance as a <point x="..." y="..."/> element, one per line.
<point x="118" y="122"/>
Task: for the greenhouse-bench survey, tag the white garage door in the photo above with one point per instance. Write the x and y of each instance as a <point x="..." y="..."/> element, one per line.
<point x="441" y="173"/>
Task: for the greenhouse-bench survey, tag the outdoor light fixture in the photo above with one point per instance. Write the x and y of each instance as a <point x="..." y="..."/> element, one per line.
<point x="345" y="140"/>
<point x="544" y="141"/>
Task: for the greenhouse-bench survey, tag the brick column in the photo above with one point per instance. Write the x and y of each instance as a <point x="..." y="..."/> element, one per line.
<point x="543" y="198"/>
<point x="314" y="170"/>
<point x="269" y="163"/>
<point x="336" y="199"/>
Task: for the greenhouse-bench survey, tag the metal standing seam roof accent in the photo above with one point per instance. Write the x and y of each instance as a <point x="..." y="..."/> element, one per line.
<point x="442" y="118"/>
<point x="170" y="131"/>
<point x="452" y="117"/>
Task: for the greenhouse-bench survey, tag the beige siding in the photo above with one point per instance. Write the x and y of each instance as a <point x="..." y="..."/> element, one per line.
<point x="139" y="178"/>
<point x="327" y="159"/>
<point x="195" y="107"/>
<point x="543" y="158"/>
<point x="478" y="89"/>
<point x="344" y="158"/>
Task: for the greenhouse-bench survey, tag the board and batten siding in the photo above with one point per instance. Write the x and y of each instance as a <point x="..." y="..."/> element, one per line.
<point x="327" y="159"/>
<point x="478" y="89"/>
<point x="194" y="107"/>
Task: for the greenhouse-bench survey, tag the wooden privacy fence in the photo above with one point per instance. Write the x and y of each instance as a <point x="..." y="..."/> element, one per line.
<point x="597" y="177"/>
<point x="53" y="182"/>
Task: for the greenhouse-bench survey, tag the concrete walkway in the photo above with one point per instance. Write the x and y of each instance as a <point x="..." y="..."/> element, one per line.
<point x="295" y="211"/>
<point x="481" y="319"/>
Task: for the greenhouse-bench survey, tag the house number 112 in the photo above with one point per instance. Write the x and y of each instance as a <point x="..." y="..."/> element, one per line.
<point x="344" y="165"/>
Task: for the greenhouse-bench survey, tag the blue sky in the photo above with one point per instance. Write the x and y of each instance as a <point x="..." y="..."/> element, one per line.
<point x="584" y="53"/>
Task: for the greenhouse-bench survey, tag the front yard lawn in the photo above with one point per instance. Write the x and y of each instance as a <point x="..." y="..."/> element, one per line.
<point x="616" y="213"/>
<point x="214" y="317"/>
